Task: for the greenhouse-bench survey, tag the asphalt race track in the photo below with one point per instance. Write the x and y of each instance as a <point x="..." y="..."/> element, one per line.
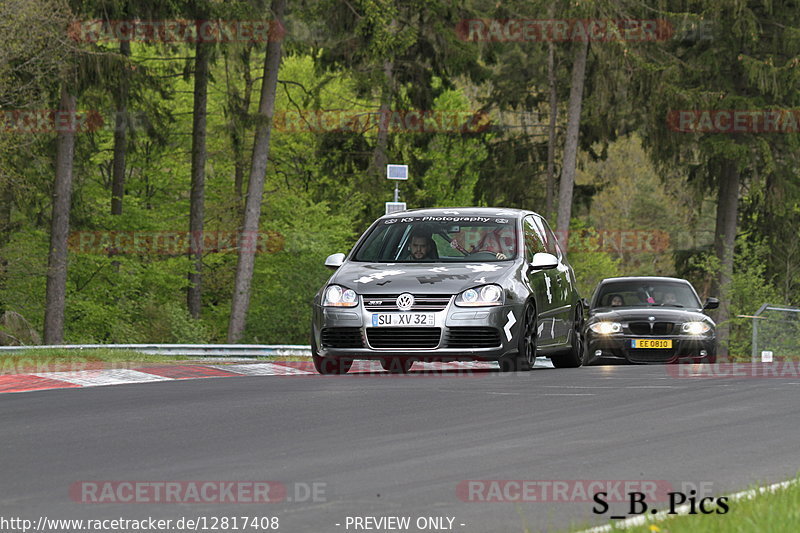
<point x="381" y="445"/>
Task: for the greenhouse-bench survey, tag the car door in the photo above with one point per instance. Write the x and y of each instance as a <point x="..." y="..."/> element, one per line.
<point x="562" y="283"/>
<point x="541" y="282"/>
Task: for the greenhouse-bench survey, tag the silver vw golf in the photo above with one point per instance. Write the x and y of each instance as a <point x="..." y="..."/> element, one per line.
<point x="460" y="284"/>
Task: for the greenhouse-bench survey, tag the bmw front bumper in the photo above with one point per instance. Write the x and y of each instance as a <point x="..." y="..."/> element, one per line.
<point x="619" y="348"/>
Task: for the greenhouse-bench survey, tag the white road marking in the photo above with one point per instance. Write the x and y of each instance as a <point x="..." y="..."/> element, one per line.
<point x="96" y="378"/>
<point x="264" y="369"/>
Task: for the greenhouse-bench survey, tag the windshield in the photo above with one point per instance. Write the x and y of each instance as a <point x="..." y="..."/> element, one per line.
<point x="646" y="293"/>
<point x="445" y="239"/>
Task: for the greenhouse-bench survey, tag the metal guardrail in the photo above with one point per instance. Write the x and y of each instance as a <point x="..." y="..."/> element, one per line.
<point x="205" y="350"/>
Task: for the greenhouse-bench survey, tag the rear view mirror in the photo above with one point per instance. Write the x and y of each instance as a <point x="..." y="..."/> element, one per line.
<point x="711" y="303"/>
<point x="543" y="261"/>
<point x="334" y="261"/>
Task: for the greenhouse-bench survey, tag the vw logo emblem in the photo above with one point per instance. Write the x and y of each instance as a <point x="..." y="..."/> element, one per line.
<point x="651" y="318"/>
<point x="405" y="301"/>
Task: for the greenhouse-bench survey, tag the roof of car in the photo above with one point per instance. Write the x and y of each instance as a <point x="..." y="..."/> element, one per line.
<point x="643" y="278"/>
<point x="464" y="211"/>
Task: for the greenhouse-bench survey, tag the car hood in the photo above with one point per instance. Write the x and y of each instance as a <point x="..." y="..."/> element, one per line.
<point x="666" y="314"/>
<point x="419" y="278"/>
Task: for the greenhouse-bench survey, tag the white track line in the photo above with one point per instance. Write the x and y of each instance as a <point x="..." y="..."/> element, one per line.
<point x="96" y="378"/>
<point x="681" y="510"/>
<point x="263" y="369"/>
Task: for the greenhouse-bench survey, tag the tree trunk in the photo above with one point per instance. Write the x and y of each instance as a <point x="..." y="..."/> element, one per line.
<point x="240" y="108"/>
<point x="120" y="134"/>
<point x="120" y="139"/>
<point x="724" y="241"/>
<point x="258" y="169"/>
<point x="197" y="197"/>
<point x="551" y="129"/>
<point x="59" y="228"/>
<point x="379" y="157"/>
<point x="571" y="144"/>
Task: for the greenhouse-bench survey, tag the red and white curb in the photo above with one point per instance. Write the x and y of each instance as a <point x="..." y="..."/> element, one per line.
<point x="120" y="376"/>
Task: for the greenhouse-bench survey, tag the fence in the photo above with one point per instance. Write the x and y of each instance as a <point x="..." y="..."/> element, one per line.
<point x="776" y="332"/>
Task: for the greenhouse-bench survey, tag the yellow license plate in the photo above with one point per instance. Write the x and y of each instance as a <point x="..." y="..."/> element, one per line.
<point x="651" y="343"/>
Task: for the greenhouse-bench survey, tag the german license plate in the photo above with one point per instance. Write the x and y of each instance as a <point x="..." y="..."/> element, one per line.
<point x="403" y="319"/>
<point x="651" y="343"/>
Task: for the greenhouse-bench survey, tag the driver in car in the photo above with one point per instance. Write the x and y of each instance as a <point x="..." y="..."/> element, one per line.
<point x="421" y="247"/>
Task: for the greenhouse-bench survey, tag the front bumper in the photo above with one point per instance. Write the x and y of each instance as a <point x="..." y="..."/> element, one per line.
<point x="458" y="334"/>
<point x="617" y="348"/>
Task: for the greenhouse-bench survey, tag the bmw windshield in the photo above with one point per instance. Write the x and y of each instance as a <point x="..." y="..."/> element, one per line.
<point x="440" y="239"/>
<point x="648" y="293"/>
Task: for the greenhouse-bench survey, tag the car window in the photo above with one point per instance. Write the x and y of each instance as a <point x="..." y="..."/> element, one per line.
<point x="441" y="238"/>
<point x="546" y="236"/>
<point x="552" y="242"/>
<point x="533" y="240"/>
<point x="645" y="293"/>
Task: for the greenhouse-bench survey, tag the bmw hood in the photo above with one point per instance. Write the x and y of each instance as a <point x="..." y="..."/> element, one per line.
<point x="419" y="278"/>
<point x="663" y="314"/>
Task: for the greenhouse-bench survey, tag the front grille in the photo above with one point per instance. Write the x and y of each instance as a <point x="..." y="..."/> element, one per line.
<point x="404" y="337"/>
<point x="651" y="328"/>
<point x="639" y="328"/>
<point x="387" y="302"/>
<point x="342" y="338"/>
<point x="645" y="355"/>
<point x="662" y="328"/>
<point x="466" y="337"/>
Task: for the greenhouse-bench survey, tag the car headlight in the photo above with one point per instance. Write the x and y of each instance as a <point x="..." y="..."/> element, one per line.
<point x="695" y="328"/>
<point x="336" y="296"/>
<point x="481" y="296"/>
<point x="606" y="328"/>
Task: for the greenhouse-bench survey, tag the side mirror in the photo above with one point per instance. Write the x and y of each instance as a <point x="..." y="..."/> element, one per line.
<point x="711" y="303"/>
<point x="585" y="303"/>
<point x="334" y="261"/>
<point x="543" y="261"/>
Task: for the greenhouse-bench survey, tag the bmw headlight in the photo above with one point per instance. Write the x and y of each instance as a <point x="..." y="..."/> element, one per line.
<point x="606" y="328"/>
<point x="481" y="296"/>
<point x="336" y="296"/>
<point x="695" y="328"/>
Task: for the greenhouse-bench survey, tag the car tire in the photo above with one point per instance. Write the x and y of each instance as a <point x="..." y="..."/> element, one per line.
<point x="525" y="356"/>
<point x="329" y="365"/>
<point x="574" y="357"/>
<point x="397" y="365"/>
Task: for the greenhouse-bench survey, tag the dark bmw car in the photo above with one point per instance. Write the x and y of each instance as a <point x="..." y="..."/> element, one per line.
<point x="459" y="284"/>
<point x="649" y="320"/>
